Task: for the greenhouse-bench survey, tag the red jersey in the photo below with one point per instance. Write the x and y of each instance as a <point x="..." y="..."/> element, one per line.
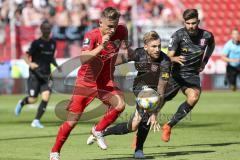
<point x="100" y="68"/>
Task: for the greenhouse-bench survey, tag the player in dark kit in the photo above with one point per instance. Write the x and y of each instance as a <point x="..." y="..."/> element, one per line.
<point x="153" y="68"/>
<point x="39" y="57"/>
<point x="189" y="50"/>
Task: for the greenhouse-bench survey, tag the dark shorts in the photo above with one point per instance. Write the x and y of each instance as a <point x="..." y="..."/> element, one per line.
<point x="177" y="83"/>
<point x="36" y="85"/>
<point x="231" y="75"/>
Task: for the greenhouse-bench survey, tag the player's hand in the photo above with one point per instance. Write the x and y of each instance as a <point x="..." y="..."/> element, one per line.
<point x="105" y="39"/>
<point x="154" y="123"/>
<point x="178" y="59"/>
<point x="33" y="65"/>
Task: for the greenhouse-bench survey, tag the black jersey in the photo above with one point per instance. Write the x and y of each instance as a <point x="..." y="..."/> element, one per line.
<point x="150" y="71"/>
<point x="42" y="53"/>
<point x="193" y="48"/>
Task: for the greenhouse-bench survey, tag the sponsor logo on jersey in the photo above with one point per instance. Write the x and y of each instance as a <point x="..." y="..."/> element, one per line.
<point x="185" y="39"/>
<point x="165" y="75"/>
<point x="86" y="42"/>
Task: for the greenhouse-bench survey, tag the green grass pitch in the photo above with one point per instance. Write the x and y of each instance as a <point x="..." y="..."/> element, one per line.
<point x="211" y="132"/>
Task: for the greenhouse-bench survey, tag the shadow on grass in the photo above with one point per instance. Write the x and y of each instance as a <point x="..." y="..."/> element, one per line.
<point x="198" y="145"/>
<point x="38" y="137"/>
<point x="194" y="125"/>
<point x="157" y="155"/>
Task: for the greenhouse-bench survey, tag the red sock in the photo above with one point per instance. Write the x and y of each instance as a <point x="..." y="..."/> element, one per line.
<point x="62" y="136"/>
<point x="107" y="120"/>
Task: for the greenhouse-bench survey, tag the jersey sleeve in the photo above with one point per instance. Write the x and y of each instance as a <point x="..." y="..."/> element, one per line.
<point x="165" y="67"/>
<point x="88" y="42"/>
<point x="174" y="42"/>
<point x="123" y="32"/>
<point x="226" y="48"/>
<point x="33" y="48"/>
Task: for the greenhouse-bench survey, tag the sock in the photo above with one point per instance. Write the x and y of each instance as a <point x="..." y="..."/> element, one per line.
<point x="24" y="101"/>
<point x="108" y="119"/>
<point x="62" y="136"/>
<point x="142" y="133"/>
<point x="41" y="109"/>
<point x="182" y="111"/>
<point x="119" y="129"/>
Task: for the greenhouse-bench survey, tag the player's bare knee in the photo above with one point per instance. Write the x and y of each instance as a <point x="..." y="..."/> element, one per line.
<point x="46" y="95"/>
<point x="134" y="126"/>
<point x="121" y="106"/>
<point x="32" y="100"/>
<point x="193" y="99"/>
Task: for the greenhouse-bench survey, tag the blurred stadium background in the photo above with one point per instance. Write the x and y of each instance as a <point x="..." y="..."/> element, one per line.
<point x="212" y="130"/>
<point x="20" y="20"/>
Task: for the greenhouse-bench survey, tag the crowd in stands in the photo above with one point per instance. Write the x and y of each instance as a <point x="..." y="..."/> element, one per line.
<point x="72" y="18"/>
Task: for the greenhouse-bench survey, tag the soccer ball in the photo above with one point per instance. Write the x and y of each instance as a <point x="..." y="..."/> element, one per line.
<point x="147" y="99"/>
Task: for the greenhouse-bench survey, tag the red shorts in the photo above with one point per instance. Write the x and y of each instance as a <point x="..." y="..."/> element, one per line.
<point x="85" y="92"/>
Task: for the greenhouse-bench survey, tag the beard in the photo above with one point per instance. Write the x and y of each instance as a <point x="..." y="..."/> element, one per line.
<point x="193" y="32"/>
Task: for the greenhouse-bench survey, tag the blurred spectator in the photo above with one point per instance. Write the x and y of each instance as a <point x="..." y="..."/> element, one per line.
<point x="72" y="18"/>
<point x="31" y="17"/>
<point x="231" y="55"/>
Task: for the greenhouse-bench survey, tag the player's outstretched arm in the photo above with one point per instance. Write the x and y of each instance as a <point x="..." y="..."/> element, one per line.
<point x="226" y="59"/>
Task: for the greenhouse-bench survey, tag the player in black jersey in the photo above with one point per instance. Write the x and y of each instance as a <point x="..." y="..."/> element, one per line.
<point x="189" y="50"/>
<point x="39" y="57"/>
<point x="153" y="68"/>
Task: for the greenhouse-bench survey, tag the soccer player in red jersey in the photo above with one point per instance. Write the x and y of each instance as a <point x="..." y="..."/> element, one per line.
<point x="95" y="78"/>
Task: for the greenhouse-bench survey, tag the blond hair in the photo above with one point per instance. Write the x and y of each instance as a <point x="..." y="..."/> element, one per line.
<point x="149" y="36"/>
<point x="110" y="13"/>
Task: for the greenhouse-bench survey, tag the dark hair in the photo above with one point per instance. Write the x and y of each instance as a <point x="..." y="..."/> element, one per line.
<point x="111" y="13"/>
<point x="190" y="14"/>
<point x="149" y="36"/>
<point x="45" y="22"/>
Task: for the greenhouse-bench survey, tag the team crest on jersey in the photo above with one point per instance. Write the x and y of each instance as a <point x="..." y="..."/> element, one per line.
<point x="202" y="42"/>
<point x="86" y="42"/>
<point x="117" y="43"/>
<point x="154" y="67"/>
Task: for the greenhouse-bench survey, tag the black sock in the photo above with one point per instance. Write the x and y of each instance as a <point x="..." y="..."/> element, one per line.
<point x="142" y="133"/>
<point x="24" y="101"/>
<point x="119" y="129"/>
<point x="41" y="109"/>
<point x="182" y="111"/>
